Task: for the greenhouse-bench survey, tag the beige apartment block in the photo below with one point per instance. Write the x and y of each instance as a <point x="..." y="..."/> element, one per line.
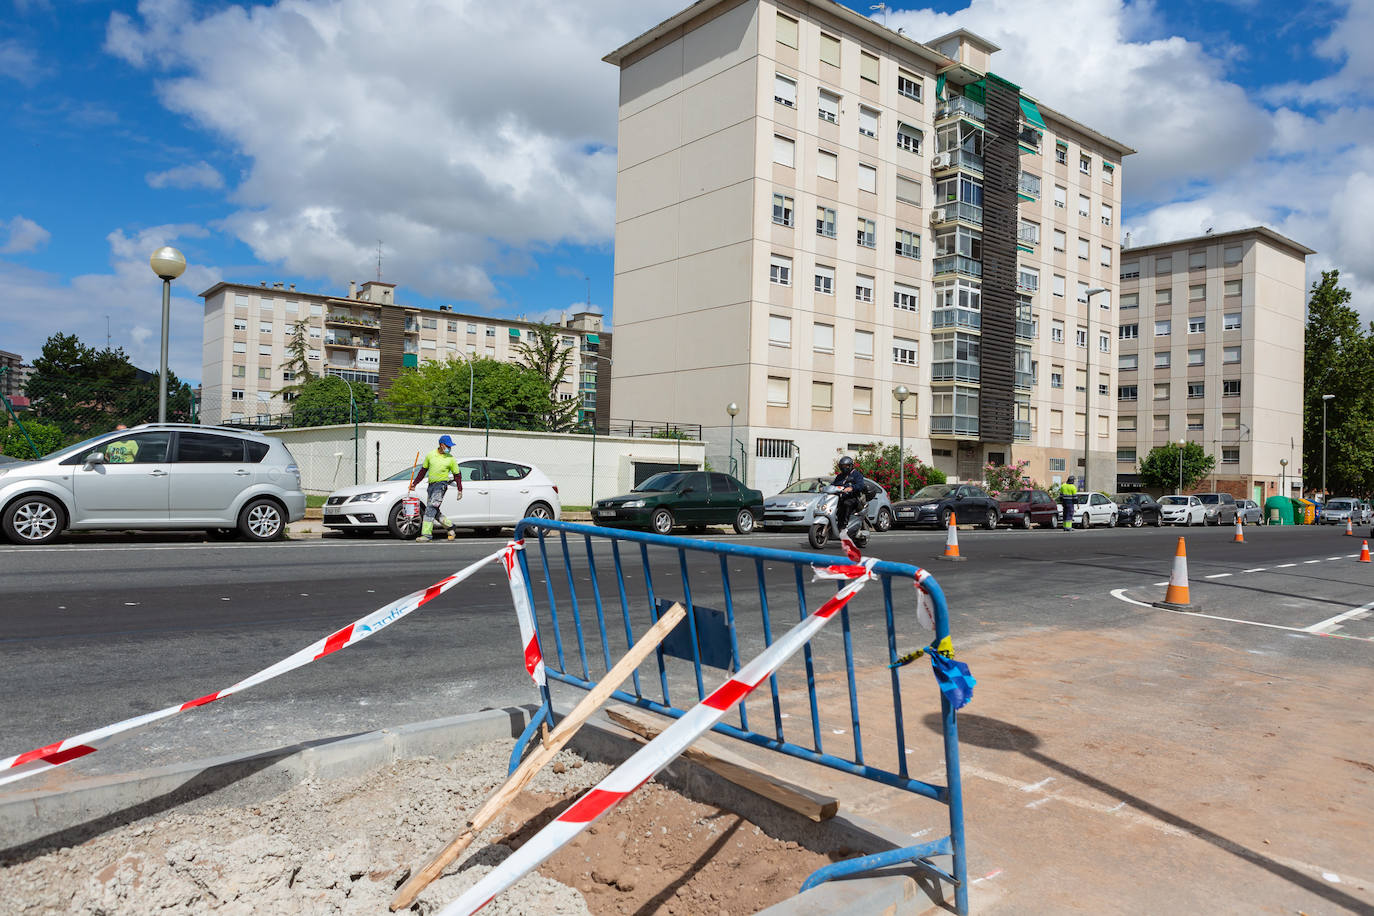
<point x="1211" y="337"/>
<point x="813" y="210"/>
<point x="365" y="336"/>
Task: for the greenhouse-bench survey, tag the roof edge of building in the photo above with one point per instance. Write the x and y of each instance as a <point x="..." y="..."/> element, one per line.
<point x="1263" y="231"/>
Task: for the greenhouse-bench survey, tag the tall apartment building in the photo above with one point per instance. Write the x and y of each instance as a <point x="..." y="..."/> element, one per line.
<point x="1211" y="343"/>
<point x="15" y="376"/>
<point x="366" y="337"/>
<point x="813" y="210"/>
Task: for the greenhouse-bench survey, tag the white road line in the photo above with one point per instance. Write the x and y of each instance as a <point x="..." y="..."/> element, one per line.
<point x="1165" y="582"/>
<point x="1120" y="595"/>
<point x="1310" y="562"/>
<point x="1218" y="576"/>
<point x="1256" y="569"/>
<point x="1331" y="622"/>
<point x="1285" y="565"/>
<point x="1333" y="558"/>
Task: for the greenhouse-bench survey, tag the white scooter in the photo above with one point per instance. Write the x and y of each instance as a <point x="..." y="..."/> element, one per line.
<point x="825" y="524"/>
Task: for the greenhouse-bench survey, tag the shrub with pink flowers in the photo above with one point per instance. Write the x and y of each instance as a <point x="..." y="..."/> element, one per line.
<point x="999" y="478"/>
<point x="883" y="463"/>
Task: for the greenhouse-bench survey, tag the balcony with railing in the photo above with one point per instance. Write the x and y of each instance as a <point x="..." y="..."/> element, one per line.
<point x="955" y="370"/>
<point x="960" y="106"/>
<point x="1027" y="283"/>
<point x="1021" y="429"/>
<point x="1029" y="185"/>
<point x="1025" y="329"/>
<point x="958" y="264"/>
<point x="958" y="159"/>
<point x="959" y="210"/>
<point x="1028" y="235"/>
<point x="956" y="317"/>
<point x="412" y="326"/>
<point x="1025" y="381"/>
<point x="351" y="320"/>
<point x="1029" y="139"/>
<point x="349" y="340"/>
<point x="953" y="425"/>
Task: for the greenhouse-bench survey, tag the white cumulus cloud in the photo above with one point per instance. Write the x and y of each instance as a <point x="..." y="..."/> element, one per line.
<point x="23" y="235"/>
<point x="198" y="175"/>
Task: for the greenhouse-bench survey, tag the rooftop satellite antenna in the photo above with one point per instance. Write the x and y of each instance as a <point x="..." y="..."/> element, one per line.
<point x="883" y="8"/>
<point x="379" y="259"/>
<point x="1207" y="227"/>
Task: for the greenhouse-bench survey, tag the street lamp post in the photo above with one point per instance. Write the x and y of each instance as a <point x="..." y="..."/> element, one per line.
<point x="901" y="394"/>
<point x="1180" y="467"/>
<point x="732" y="409"/>
<point x="167" y="263"/>
<point x="1283" y="477"/>
<point x="1088" y="384"/>
<point x="1325" y="398"/>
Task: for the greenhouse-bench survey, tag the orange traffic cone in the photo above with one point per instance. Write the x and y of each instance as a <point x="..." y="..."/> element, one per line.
<point x="951" y="542"/>
<point x="1240" y="534"/>
<point x="1349" y="528"/>
<point x="1364" y="551"/>
<point x="1176" y="596"/>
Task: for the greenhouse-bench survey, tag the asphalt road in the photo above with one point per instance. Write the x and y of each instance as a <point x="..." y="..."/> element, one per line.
<point x="95" y="630"/>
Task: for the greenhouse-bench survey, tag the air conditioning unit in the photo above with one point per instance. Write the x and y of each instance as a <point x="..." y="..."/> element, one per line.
<point x="942" y="160"/>
<point x="941" y="214"/>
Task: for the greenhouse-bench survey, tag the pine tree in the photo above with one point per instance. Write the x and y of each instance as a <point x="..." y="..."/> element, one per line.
<point x="542" y="351"/>
<point x="297" y="363"/>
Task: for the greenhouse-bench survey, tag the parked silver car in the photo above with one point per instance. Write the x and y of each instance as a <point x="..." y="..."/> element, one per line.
<point x="168" y="476"/>
<point x="1337" y="511"/>
<point x="1249" y="511"/>
<point x="1220" y="508"/>
<point x="795" y="506"/>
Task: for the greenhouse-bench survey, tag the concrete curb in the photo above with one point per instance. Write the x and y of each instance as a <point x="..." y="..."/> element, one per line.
<point x="85" y="808"/>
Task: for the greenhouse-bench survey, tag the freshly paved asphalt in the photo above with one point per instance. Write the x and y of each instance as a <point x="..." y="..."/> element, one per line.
<point x="94" y="630"/>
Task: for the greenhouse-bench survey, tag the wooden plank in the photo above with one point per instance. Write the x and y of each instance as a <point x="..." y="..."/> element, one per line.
<point x="734" y="767"/>
<point x="553" y="743"/>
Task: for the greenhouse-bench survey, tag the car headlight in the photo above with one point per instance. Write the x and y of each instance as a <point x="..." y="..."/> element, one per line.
<point x="369" y="497"/>
<point x="633" y="504"/>
<point x="1011" y="511"/>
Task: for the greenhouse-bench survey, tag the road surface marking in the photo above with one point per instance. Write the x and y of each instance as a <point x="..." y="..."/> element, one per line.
<point x="1037" y="785"/>
<point x="1114" y="810"/>
<point x="1218" y="576"/>
<point x="1310" y="562"/>
<point x="1285" y="565"/>
<point x="1256" y="569"/>
<point x="1120" y="595"/>
<point x="1333" y="558"/>
<point x="1330" y="623"/>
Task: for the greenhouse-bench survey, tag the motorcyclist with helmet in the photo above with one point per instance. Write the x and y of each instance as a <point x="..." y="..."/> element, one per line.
<point x="850" y="480"/>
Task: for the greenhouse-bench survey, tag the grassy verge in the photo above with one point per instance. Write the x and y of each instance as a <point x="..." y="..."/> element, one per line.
<point x="314" y="502"/>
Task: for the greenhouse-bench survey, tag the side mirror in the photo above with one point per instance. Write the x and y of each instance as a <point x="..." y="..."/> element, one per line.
<point x="959" y="495"/>
<point x="95" y="458"/>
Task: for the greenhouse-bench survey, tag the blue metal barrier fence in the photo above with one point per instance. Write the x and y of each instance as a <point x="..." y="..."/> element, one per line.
<point x="740" y="623"/>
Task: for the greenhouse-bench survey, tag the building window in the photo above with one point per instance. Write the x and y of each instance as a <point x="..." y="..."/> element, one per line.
<point x="236" y="394"/>
<point x="784" y="91"/>
<point x="1127" y="392"/>
<point x="1125" y="423"/>
<point x="779" y="331"/>
<point x="1197" y="357"/>
<point x="1085" y="165"/>
<point x="1056" y="426"/>
<point x="1230" y="354"/>
<point x="1197" y="260"/>
<point x="1125" y="455"/>
<point x="1084" y="249"/>
<point x="787" y="31"/>
<point x="1058" y="286"/>
<point x="1084" y="205"/>
<point x="830" y="50"/>
<point x="267" y="305"/>
<point x="825" y="280"/>
<point x="1060" y="240"/>
<point x="863" y="288"/>
<point x="1056" y="331"/>
<point x="909" y="138"/>
<point x="238" y="372"/>
<point x="1162" y="359"/>
<point x="1080" y="337"/>
<point x="903" y="351"/>
<point x="1197" y="292"/>
<point x="906" y="298"/>
<point x="1060" y="196"/>
<point x="828" y="108"/>
<point x="868" y="122"/>
<point x="1105" y="257"/>
<point x="1231" y="288"/>
<point x="863" y="344"/>
<point x="240" y="301"/>
<point x="1128" y="361"/>
<point x="314" y="333"/>
<point x="908" y="244"/>
<point x="909" y="85"/>
<point x="264" y="349"/>
<point x="1230" y="421"/>
<point x="782" y="210"/>
<point x="1061" y="152"/>
<point x="1106" y="211"/>
<point x="1197" y="390"/>
<point x="1230" y="322"/>
<point x="1027" y="279"/>
<point x="240" y="324"/>
<point x="1161" y="422"/>
<point x="1130" y="301"/>
<point x="263" y="372"/>
<point x="821" y="395"/>
<point x="240" y="347"/>
<point x="1163" y="327"/>
<point x="1230" y="456"/>
<point x="1197" y="325"/>
<point x="868" y="67"/>
<point x="1108" y="173"/>
<point x="1161" y="392"/>
<point x="784" y="151"/>
<point x="823" y="338"/>
<point x="780" y="270"/>
<point x="1104" y="343"/>
<point x="491" y="332"/>
<point x="1080" y="380"/>
<point x="825" y="221"/>
<point x="1230" y="387"/>
<point x="777" y="391"/>
<point x="1057" y="377"/>
<point x="863" y="399"/>
<point x="1082" y="294"/>
<point x="908" y="190"/>
<point x="868" y="178"/>
<point x="1194" y="422"/>
<point x="955" y="356"/>
<point x="1231" y="255"/>
<point x="868" y="233"/>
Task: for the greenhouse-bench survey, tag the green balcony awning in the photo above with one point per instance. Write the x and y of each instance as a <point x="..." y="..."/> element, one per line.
<point x="594" y="339"/>
<point x="514" y="332"/>
<point x="410" y="360"/>
<point x="977" y="91"/>
<point x="1031" y="113"/>
<point x="940" y="88"/>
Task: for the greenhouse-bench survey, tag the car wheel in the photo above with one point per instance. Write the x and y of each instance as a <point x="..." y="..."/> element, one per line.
<point x="1111" y="520"/>
<point x="1138" y="520"/>
<point x="744" y="522"/>
<point x="884" y="520"/>
<point x="34" y="520"/>
<point x="262" y="520"/>
<point x="539" y="510"/>
<point x="990" y="520"/>
<point x="402" y="526"/>
<point x="945" y="516"/>
<point x="1026" y="521"/>
<point x="1159" y="521"/>
<point x="661" y="521"/>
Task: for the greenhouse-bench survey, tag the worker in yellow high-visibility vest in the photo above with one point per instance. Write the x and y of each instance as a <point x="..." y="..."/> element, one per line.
<point x="439" y="467"/>
<point x="1068" y="498"/>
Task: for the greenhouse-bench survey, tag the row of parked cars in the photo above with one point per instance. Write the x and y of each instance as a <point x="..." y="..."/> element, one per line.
<point x="1341" y="509"/>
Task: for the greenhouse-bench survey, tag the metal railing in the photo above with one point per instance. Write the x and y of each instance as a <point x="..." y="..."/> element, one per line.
<point x="957" y="263"/>
<point x="960" y="105"/>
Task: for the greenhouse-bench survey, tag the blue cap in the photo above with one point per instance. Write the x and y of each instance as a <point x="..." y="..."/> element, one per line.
<point x="446" y="440"/>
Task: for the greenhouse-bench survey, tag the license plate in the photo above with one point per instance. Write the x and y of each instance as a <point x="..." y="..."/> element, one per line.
<point x="334" y="517"/>
<point x="605" y="513"/>
<point x="906" y="513"/>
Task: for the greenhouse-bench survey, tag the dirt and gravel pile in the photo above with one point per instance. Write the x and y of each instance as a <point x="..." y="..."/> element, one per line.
<point x="343" y="847"/>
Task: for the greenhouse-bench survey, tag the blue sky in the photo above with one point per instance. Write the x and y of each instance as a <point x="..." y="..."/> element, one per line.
<point x="281" y="141"/>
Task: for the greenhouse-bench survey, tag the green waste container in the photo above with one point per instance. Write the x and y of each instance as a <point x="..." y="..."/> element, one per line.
<point x="1278" y="510"/>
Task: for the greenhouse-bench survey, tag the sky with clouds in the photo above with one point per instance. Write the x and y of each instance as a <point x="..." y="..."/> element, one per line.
<point x="475" y="142"/>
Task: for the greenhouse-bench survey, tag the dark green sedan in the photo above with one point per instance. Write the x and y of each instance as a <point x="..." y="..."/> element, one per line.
<point x="694" y="499"/>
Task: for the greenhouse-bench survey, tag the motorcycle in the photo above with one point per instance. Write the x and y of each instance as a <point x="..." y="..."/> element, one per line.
<point x="826" y="524"/>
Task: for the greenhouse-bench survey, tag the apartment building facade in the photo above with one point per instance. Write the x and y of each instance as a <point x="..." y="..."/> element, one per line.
<point x="1211" y="339"/>
<point x="368" y="337"/>
<point x="813" y="211"/>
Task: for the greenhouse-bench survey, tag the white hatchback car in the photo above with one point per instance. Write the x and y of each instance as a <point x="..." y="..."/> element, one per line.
<point x="1182" y="510"/>
<point x="1094" y="509"/>
<point x="496" y="494"/>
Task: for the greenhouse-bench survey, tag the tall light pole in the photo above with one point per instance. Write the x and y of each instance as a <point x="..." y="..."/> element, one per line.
<point x="1283" y="477"/>
<point x="901" y="394"/>
<point x="732" y="409"/>
<point x="1325" y="398"/>
<point x="1180" y="467"/>
<point x="167" y="263"/>
<point x="1088" y="385"/>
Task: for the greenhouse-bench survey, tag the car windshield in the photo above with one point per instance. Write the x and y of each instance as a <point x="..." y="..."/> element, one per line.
<point x="78" y="447"/>
<point x="1017" y="496"/>
<point x="934" y="491"/>
<point x="1209" y="499"/>
<point x="403" y="474"/>
<point x="1174" y="501"/>
<point x="1123" y="499"/>
<point x="668" y="480"/>
<point x="806" y="485"/>
<point x="1339" y="504"/>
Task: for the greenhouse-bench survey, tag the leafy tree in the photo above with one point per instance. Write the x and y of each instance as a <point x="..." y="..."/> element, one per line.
<point x="325" y="400"/>
<point x="543" y="352"/>
<point x="883" y="464"/>
<point x="507" y="395"/>
<point x="1339" y="360"/>
<point x="297" y="362"/>
<point x="1159" y="469"/>
<point x="47" y="436"/>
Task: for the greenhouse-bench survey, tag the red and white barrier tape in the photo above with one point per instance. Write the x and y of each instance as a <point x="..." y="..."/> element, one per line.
<point x="56" y="754"/>
<point x="524" y="613"/>
<point x="661" y="751"/>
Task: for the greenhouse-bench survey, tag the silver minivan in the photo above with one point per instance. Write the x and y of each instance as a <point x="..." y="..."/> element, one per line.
<point x="158" y="475"/>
